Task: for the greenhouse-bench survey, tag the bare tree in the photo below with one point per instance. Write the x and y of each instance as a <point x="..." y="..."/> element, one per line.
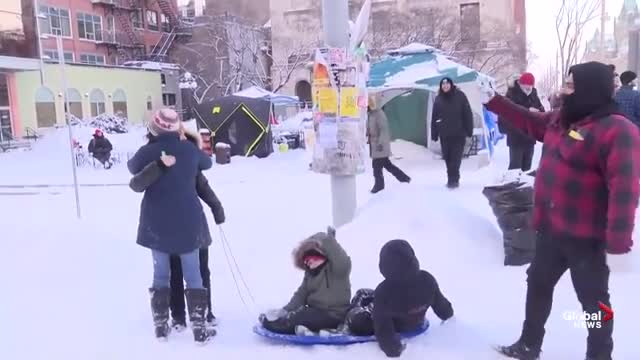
<point x="572" y="18"/>
<point x="226" y="55"/>
<point x="548" y="83"/>
<point x="488" y="50"/>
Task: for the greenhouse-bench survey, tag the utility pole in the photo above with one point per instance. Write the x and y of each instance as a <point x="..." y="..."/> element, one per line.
<point x="603" y="23"/>
<point x="335" y="23"/>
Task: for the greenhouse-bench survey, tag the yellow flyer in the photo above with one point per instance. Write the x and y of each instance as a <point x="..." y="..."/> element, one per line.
<point x="349" y="102"/>
<point x="328" y="100"/>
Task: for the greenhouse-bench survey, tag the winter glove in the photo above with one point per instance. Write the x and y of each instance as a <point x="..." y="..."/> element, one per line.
<point x="486" y="91"/>
<point x="275" y="314"/>
<point x="218" y="215"/>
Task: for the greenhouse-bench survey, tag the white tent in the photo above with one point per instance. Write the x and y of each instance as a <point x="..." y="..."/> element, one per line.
<point x="256" y="92"/>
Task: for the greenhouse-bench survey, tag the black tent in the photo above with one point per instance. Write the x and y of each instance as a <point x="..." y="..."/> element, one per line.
<point x="240" y="122"/>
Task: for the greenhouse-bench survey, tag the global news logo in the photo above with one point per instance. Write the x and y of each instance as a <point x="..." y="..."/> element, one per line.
<point x="586" y="320"/>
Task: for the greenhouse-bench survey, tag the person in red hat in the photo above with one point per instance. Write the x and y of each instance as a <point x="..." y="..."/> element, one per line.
<point x="521" y="146"/>
<point x="100" y="148"/>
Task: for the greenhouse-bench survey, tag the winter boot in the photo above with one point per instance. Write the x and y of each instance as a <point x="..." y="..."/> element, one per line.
<point x="453" y="185"/>
<point x="211" y="319"/>
<point x="197" y="306"/>
<point x="179" y="324"/>
<point x="160" y="312"/>
<point x="519" y="351"/>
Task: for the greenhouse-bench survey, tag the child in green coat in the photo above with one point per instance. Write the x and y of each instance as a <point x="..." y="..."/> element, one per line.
<point x="322" y="300"/>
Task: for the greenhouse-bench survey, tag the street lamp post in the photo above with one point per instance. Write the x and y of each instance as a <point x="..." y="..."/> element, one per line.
<point x="335" y="23"/>
<point x="65" y="91"/>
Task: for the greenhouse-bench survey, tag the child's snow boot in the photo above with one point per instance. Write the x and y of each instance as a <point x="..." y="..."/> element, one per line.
<point x="197" y="306"/>
<point x="179" y="324"/>
<point x="160" y="312"/>
<point x="519" y="351"/>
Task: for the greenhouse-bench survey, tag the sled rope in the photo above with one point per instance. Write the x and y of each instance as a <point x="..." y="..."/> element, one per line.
<point x="231" y="258"/>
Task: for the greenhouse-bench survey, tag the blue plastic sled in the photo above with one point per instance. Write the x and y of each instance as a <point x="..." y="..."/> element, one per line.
<point x="337" y="339"/>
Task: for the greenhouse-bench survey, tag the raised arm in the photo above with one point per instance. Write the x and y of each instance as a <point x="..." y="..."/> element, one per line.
<point x="622" y="169"/>
<point x="141" y="159"/>
<point x="531" y="123"/>
<point x="338" y="258"/>
<point x="205" y="162"/>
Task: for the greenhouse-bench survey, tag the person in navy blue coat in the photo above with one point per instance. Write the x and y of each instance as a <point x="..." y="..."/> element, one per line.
<point x="172" y="221"/>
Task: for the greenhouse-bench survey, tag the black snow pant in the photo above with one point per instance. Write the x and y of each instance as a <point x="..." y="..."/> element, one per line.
<point x="177" y="285"/>
<point x="385" y="163"/>
<point x="452" y="153"/>
<point x="311" y="318"/>
<point x="586" y="261"/>
<point x="521" y="157"/>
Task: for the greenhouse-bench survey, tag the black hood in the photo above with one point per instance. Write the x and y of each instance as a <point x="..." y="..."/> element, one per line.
<point x="398" y="261"/>
<point x="593" y="93"/>
<point x="451" y="91"/>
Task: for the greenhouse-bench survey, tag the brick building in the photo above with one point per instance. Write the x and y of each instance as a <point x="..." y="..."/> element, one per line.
<point x="108" y="32"/>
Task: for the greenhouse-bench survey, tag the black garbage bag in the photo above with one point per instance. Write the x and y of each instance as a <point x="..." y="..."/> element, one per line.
<point x="512" y="204"/>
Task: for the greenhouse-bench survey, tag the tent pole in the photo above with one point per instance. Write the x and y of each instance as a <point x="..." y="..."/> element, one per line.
<point x="335" y="23"/>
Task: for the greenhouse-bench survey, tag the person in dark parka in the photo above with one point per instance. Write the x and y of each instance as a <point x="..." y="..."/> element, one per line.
<point x="521" y="146"/>
<point x="172" y="221"/>
<point x="403" y="298"/>
<point x="139" y="183"/>
<point x="452" y="124"/>
<point x="100" y="148"/>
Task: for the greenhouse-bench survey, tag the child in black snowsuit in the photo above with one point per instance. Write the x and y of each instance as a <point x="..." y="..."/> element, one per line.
<point x="322" y="300"/>
<point x="400" y="302"/>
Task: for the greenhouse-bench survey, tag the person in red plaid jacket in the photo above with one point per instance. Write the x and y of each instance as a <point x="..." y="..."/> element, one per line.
<point x="586" y="195"/>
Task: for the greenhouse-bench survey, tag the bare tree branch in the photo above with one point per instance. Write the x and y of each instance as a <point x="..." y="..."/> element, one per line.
<point x="572" y="18"/>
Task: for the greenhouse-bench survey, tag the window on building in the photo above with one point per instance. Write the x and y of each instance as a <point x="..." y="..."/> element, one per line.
<point x="55" y="21"/>
<point x="92" y="59"/>
<point x="149" y="103"/>
<point x="89" y="27"/>
<point x="169" y="99"/>
<point x="75" y="103"/>
<point x="119" y="99"/>
<point x="470" y="22"/>
<point x="45" y="108"/>
<point x="163" y="79"/>
<point x="136" y="19"/>
<point x="53" y="55"/>
<point x="97" y="101"/>
<point x="166" y="24"/>
<point x="152" y="20"/>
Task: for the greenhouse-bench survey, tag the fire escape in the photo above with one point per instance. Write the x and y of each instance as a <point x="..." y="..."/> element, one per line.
<point x="179" y="27"/>
<point x="124" y="40"/>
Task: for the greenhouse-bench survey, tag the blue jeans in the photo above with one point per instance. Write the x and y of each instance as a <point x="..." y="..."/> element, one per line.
<point x="190" y="269"/>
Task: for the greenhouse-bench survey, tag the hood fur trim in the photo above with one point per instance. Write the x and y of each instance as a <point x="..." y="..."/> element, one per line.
<point x="193" y="136"/>
<point x="314" y="242"/>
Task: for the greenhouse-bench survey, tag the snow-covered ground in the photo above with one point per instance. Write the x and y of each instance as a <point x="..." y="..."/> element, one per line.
<point x="78" y="289"/>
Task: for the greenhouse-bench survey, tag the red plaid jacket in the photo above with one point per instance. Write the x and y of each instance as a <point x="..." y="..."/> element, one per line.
<point x="588" y="182"/>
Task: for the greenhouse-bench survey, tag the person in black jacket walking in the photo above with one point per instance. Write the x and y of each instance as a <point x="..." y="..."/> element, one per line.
<point x="139" y="183"/>
<point x="403" y="298"/>
<point x="521" y="146"/>
<point x="452" y="124"/>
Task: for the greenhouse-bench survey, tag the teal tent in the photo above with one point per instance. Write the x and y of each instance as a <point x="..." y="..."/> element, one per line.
<point x="406" y="81"/>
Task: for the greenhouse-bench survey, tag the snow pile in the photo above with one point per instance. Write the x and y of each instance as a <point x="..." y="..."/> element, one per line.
<point x="513" y="176"/>
<point x="110" y="124"/>
<point x="295" y="123"/>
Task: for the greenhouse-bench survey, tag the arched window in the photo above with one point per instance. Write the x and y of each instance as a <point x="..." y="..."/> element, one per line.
<point x="303" y="92"/>
<point x="75" y="103"/>
<point x="96" y="99"/>
<point x="45" y="108"/>
<point x="119" y="99"/>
